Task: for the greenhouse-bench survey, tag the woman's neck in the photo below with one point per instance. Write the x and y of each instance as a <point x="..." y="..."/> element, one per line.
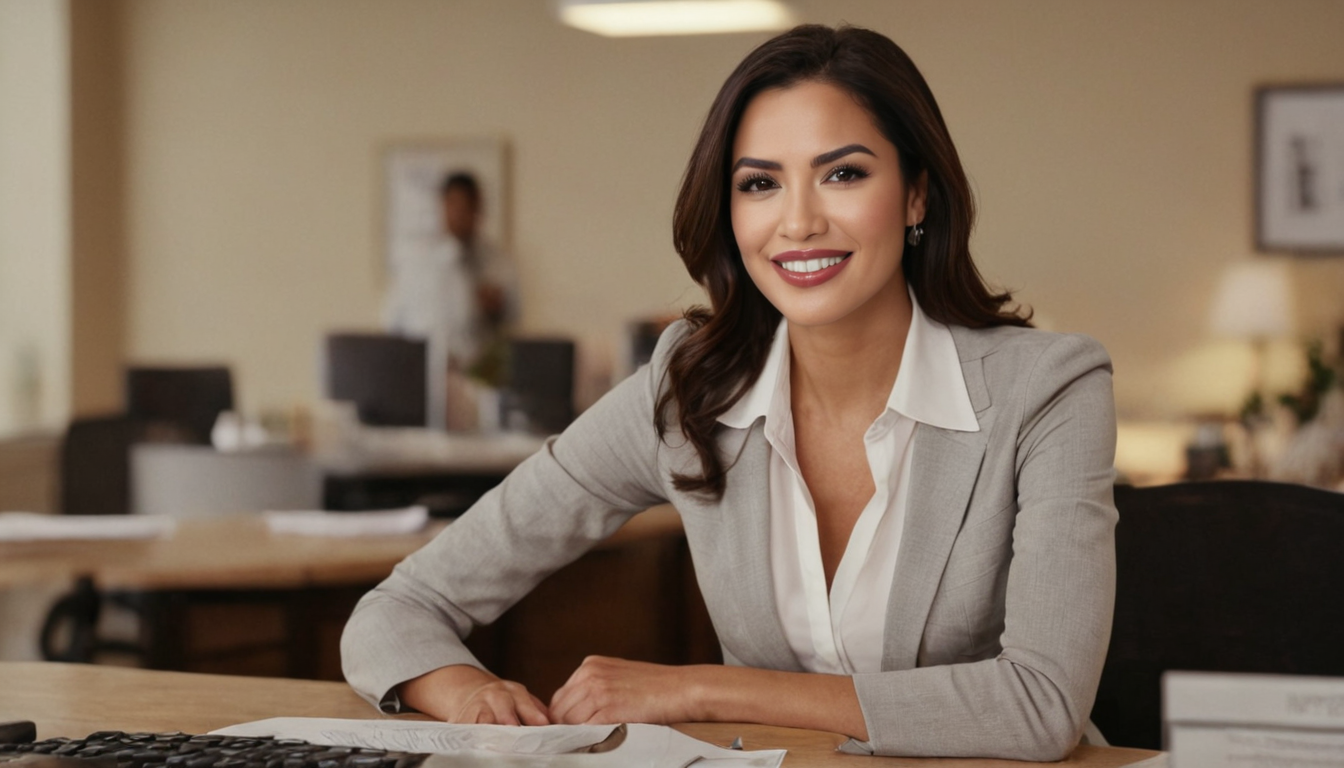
<point x="845" y="371"/>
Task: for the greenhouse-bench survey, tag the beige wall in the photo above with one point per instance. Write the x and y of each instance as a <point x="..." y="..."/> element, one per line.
<point x="34" y="215"/>
<point x="1109" y="143"/>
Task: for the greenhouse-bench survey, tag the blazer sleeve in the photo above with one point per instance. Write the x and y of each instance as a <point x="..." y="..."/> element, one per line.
<point x="1032" y="700"/>
<point x="556" y="505"/>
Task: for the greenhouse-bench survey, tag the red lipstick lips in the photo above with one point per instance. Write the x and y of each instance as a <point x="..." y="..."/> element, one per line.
<point x="809" y="268"/>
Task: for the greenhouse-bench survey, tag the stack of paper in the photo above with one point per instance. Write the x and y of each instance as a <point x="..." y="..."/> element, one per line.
<point x="32" y="526"/>
<point x="1215" y="720"/>
<point x="547" y="746"/>
<point x="390" y="522"/>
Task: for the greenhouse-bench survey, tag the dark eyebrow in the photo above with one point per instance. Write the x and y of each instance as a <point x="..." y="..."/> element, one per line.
<point x="751" y="162"/>
<point x="822" y="159"/>
<point x="836" y="154"/>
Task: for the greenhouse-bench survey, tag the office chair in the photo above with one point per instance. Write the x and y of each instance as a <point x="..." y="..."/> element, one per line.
<point x="95" y="465"/>
<point x="383" y="375"/>
<point x="1223" y="576"/>
<point x="539" y="394"/>
<point x="185" y="400"/>
<point x="70" y="630"/>
<point x="95" y="479"/>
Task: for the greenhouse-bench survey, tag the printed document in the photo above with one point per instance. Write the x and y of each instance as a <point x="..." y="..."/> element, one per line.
<point x="546" y="746"/>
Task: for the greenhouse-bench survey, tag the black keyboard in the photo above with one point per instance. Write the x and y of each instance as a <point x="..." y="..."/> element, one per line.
<point x="115" y="749"/>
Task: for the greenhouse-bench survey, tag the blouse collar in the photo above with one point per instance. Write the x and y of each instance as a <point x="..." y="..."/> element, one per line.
<point x="929" y="387"/>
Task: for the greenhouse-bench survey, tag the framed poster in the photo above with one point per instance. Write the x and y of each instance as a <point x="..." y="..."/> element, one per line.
<point x="1299" y="177"/>
<point x="412" y="174"/>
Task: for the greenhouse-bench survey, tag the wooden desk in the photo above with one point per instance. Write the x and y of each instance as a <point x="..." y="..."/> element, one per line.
<point x="226" y="595"/>
<point x="238" y="552"/>
<point x="233" y="552"/>
<point x="75" y="700"/>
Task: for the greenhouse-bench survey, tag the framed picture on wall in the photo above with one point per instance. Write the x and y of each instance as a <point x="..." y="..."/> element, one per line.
<point x="1299" y="186"/>
<point x="412" y="175"/>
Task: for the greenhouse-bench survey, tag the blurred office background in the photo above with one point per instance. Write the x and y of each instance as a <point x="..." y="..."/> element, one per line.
<point x="201" y="180"/>
<point x="189" y="183"/>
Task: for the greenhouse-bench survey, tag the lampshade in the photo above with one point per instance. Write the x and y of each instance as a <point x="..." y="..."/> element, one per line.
<point x="1254" y="300"/>
<point x="631" y="18"/>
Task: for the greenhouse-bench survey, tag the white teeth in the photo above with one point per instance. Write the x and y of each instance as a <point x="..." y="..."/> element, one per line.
<point x="811" y="265"/>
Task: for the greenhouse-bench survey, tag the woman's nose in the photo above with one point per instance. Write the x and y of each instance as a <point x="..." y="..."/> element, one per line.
<point x="802" y="215"/>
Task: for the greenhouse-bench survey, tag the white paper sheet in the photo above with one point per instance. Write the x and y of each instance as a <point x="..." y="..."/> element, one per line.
<point x="550" y="746"/>
<point x="1216" y="719"/>
<point x="390" y="522"/>
<point x="33" y="526"/>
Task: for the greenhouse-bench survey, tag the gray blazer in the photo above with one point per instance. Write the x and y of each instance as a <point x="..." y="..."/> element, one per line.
<point x="1000" y="609"/>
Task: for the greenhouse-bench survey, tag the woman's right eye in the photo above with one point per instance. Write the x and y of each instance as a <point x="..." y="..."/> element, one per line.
<point x="757" y="183"/>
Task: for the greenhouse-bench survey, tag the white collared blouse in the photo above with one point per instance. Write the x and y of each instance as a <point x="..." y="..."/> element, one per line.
<point x="842" y="632"/>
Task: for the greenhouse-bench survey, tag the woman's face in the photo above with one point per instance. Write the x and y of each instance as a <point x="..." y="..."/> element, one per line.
<point x="819" y="206"/>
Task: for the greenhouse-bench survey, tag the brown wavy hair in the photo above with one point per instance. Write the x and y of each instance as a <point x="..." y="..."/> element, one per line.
<point x="727" y="344"/>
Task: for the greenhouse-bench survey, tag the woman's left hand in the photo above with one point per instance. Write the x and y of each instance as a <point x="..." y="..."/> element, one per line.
<point x="607" y="690"/>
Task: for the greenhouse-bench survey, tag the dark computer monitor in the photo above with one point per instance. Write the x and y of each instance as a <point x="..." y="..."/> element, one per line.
<point x="382" y="374"/>
<point x="539" y="395"/>
<point x="184" y="399"/>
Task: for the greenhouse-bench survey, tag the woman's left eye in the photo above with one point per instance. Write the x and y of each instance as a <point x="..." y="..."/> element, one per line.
<point x="846" y="174"/>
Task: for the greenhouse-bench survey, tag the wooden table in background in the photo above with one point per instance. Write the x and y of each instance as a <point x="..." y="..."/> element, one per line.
<point x="233" y="552"/>
<point x="75" y="700"/>
<point x="225" y="595"/>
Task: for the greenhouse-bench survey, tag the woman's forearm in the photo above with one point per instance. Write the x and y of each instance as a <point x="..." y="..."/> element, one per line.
<point x="791" y="699"/>
<point x="609" y="690"/>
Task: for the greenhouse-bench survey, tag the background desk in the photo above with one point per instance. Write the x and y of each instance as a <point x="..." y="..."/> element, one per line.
<point x="226" y="595"/>
<point x="75" y="700"/>
<point x="368" y="468"/>
<point x="388" y="467"/>
<point x="233" y="552"/>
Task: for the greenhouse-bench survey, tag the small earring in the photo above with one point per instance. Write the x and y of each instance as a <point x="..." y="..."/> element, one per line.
<point x="914" y="235"/>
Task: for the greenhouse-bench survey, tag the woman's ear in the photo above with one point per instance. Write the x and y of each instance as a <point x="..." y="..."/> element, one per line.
<point x="917" y="199"/>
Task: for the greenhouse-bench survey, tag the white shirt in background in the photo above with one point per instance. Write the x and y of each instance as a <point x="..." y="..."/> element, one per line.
<point x="432" y="296"/>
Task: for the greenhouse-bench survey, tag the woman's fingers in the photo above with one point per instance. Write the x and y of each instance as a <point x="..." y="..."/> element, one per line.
<point x="606" y="690"/>
<point x="533" y="712"/>
<point x="578" y="699"/>
<point x="570" y="705"/>
<point x="502" y="710"/>
<point x="465" y="694"/>
<point x="503" y="702"/>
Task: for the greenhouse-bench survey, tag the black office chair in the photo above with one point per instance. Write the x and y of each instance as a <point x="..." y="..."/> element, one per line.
<point x="70" y="629"/>
<point x="183" y="401"/>
<point x="383" y="375"/>
<point x="1230" y="576"/>
<point x="94" y="480"/>
<point x="96" y="465"/>
<point x="539" y="393"/>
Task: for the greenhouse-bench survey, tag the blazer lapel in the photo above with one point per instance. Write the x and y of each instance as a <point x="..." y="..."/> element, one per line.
<point x="746" y="533"/>
<point x="943" y="474"/>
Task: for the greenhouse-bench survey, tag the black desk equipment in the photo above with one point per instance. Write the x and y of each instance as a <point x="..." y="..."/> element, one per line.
<point x="1220" y="576"/>
<point x="382" y="374"/>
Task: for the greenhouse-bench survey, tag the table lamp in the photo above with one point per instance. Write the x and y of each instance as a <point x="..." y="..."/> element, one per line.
<point x="1254" y="302"/>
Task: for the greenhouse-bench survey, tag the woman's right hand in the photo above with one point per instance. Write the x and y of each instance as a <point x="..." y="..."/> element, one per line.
<point x="465" y="694"/>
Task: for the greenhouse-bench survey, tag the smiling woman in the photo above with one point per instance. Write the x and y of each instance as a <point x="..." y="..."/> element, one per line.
<point x="818" y="216"/>
<point x="897" y="496"/>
